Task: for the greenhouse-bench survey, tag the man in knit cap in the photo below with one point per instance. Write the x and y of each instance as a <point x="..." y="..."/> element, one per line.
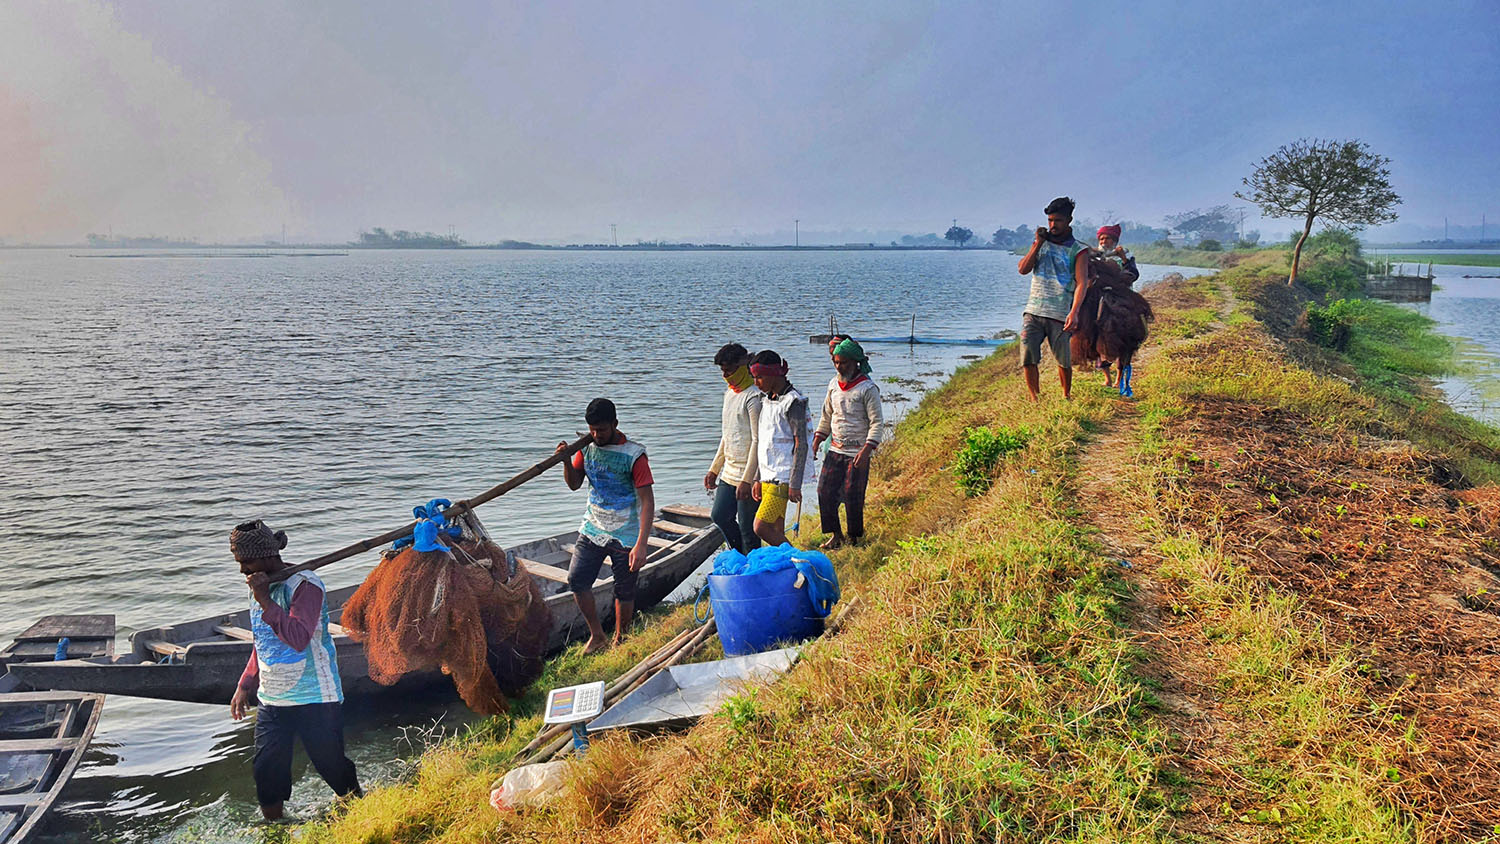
<point x="293" y="673"/>
<point x="852" y="421"/>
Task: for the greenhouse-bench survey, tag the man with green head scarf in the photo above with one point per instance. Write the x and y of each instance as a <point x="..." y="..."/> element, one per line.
<point x="854" y="425"/>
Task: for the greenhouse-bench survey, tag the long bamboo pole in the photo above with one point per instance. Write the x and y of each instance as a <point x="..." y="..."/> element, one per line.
<point x="451" y="513"/>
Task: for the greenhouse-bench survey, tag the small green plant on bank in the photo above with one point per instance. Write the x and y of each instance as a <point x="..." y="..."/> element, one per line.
<point x="983" y="447"/>
<point x="1331" y="327"/>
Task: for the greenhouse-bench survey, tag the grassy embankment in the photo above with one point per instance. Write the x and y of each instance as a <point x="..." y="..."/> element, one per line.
<point x="1250" y="675"/>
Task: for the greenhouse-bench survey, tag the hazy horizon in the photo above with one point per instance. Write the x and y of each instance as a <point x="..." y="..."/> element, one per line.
<point x="700" y="122"/>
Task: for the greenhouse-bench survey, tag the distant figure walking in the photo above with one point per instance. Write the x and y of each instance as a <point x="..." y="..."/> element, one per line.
<point x="731" y="477"/>
<point x="786" y="458"/>
<point x="617" y="523"/>
<point x="853" y="422"/>
<point x="1059" y="280"/>
<point x="293" y="673"/>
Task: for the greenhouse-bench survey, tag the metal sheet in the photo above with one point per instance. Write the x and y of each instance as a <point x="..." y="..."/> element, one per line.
<point x="686" y="692"/>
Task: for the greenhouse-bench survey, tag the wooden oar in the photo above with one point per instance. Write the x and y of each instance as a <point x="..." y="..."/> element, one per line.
<point x="451" y="513"/>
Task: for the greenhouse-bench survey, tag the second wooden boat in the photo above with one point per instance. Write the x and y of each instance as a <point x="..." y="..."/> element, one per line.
<point x="43" y="735"/>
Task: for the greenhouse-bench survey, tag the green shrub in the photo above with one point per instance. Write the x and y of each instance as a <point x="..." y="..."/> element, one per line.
<point x="1331" y="327"/>
<point x="1210" y="245"/>
<point x="975" y="465"/>
<point x="1331" y="276"/>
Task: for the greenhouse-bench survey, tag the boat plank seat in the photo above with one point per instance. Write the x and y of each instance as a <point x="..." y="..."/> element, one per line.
<point x="659" y="542"/>
<point x="688" y="510"/>
<point x="672" y="527"/>
<point x="542" y="570"/>
<point x="24" y="800"/>
<point x="233" y="632"/>
<point x="44" y="697"/>
<point x="37" y="745"/>
<point x="165" y="648"/>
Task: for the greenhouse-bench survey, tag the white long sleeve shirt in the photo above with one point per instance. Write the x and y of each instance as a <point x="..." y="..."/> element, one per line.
<point x="736" y="460"/>
<point x="852" y="417"/>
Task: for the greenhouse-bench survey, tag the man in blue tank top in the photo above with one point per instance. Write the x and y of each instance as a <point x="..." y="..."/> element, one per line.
<point x="293" y="673"/>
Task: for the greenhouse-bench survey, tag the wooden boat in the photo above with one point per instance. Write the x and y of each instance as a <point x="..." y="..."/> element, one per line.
<point x="201" y="661"/>
<point x="43" y="735"/>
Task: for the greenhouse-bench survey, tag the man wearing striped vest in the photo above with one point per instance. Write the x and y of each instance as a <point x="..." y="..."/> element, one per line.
<point x="293" y="673"/>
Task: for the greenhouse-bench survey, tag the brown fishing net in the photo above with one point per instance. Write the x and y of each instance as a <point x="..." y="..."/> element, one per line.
<point x="472" y="613"/>
<point x="1112" y="319"/>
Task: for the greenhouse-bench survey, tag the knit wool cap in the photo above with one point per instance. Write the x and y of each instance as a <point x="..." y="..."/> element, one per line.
<point x="255" y="540"/>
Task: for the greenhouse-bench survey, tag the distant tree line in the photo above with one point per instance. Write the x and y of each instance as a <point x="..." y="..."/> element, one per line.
<point x="378" y="238"/>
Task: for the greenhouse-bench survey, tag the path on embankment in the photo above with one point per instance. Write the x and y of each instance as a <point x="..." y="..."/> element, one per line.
<point x="1253" y="604"/>
<point x="1309" y="592"/>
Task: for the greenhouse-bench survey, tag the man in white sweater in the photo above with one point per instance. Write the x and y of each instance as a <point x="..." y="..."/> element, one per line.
<point x="854" y="425"/>
<point x="736" y="468"/>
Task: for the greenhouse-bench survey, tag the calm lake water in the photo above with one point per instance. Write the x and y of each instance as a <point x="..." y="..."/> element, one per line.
<point x="1466" y="306"/>
<point x="148" y="404"/>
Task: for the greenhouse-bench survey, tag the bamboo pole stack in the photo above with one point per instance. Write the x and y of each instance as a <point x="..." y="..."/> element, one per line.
<point x="555" y="741"/>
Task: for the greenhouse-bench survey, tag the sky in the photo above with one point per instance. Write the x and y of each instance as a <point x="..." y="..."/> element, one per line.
<point x="712" y="121"/>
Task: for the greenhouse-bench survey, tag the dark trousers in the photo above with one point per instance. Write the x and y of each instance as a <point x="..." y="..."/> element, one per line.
<point x="321" y="728"/>
<point x="589" y="558"/>
<point x="735" y="518"/>
<point x="842" y="482"/>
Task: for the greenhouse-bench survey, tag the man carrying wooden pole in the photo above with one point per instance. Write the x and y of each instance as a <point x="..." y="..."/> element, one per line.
<point x="617" y="523"/>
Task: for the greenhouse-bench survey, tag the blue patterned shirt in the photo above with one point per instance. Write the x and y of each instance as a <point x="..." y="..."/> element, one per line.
<point x="1053" y="282"/>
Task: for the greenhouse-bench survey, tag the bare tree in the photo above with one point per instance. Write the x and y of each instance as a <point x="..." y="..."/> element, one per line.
<point x="1339" y="182"/>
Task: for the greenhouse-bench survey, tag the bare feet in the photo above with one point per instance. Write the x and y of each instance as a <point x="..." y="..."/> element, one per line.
<point x="832" y="542"/>
<point x="595" y="646"/>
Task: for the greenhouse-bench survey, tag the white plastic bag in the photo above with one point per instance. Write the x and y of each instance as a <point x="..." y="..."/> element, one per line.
<point x="529" y="785"/>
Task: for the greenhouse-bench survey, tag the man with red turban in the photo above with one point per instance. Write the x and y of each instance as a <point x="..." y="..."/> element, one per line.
<point x="1110" y="250"/>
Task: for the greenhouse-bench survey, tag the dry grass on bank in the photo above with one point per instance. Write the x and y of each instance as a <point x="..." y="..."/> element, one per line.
<point x="1307" y="581"/>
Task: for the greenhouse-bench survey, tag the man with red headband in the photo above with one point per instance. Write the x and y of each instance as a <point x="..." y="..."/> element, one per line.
<point x="784" y="444"/>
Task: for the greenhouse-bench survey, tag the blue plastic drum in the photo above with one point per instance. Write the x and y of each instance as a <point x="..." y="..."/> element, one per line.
<point x="758" y="612"/>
